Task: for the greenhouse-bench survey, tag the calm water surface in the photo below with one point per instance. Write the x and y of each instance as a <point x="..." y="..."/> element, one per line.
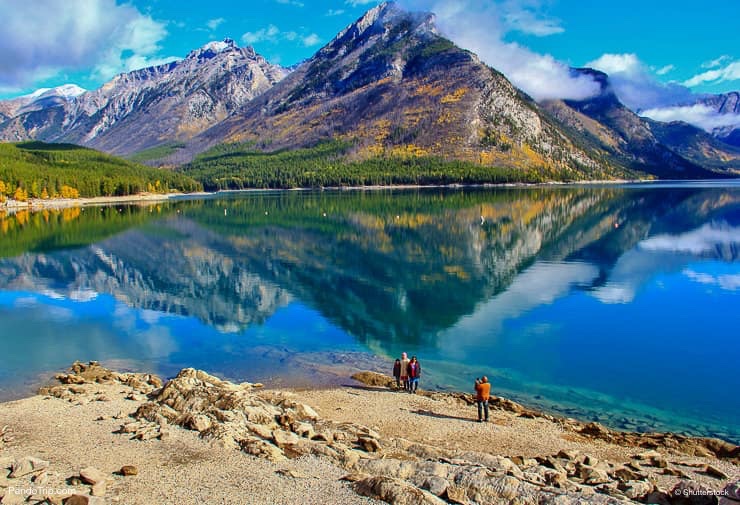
<point x="618" y="304"/>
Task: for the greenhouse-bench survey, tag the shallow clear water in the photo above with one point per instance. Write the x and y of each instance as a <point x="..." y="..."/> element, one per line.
<point x="612" y="303"/>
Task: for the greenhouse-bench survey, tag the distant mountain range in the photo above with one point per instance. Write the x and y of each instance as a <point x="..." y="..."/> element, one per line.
<point x="390" y="85"/>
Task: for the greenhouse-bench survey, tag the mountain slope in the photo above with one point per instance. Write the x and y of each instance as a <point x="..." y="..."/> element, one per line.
<point x="628" y="138"/>
<point x="391" y="86"/>
<point x="146" y="107"/>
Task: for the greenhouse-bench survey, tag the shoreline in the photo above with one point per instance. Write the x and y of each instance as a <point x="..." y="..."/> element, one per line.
<point x="36" y="204"/>
<point x="361" y="444"/>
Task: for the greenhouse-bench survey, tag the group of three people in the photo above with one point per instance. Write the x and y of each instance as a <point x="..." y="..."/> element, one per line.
<point x="407" y="372"/>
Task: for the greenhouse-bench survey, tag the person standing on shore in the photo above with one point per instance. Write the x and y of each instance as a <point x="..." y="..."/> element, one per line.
<point x="414" y="374"/>
<point x="482" y="395"/>
<point x="405" y="370"/>
<point x="397" y="373"/>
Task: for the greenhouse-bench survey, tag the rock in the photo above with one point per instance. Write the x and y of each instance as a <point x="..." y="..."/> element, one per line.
<point x="594" y="476"/>
<point x="99" y="488"/>
<point x="692" y="493"/>
<point x="40" y="479"/>
<point x="258" y="447"/>
<point x="595" y="430"/>
<point x="354" y="477"/>
<point x="128" y="470"/>
<point x="571" y="455"/>
<point x="374" y="379"/>
<point x="657" y="498"/>
<point x="304" y="412"/>
<point x="292" y="473"/>
<point x="625" y="474"/>
<point x="6" y="462"/>
<point x="305" y="430"/>
<point x="12" y="498"/>
<point x="675" y="472"/>
<point x="92" y="475"/>
<point x="435" y="485"/>
<point x="636" y="489"/>
<point x="457" y="494"/>
<point x="197" y="422"/>
<point x="715" y="472"/>
<point x="26" y="466"/>
<point x="283" y="438"/>
<point x="369" y="444"/>
<point x="83" y="499"/>
<point x="732" y="490"/>
<point x="394" y="491"/>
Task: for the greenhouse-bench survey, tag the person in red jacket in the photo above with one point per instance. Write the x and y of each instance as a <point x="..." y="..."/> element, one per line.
<point x="482" y="395"/>
<point x="414" y="372"/>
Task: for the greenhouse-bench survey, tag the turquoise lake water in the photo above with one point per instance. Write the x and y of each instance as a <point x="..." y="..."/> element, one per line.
<point x="617" y="303"/>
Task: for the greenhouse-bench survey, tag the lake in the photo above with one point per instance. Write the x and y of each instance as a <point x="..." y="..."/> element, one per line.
<point x="612" y="303"/>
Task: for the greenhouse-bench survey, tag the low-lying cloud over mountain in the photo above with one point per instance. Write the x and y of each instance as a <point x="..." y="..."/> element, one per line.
<point x="481" y="26"/>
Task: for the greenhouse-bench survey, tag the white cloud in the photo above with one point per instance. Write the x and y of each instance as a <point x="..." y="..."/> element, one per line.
<point x="291" y="2"/>
<point x="481" y="26"/>
<point x="519" y="16"/>
<point x="717" y="62"/>
<point x="311" y="40"/>
<point x="44" y="38"/>
<point x="665" y="70"/>
<point x="728" y="282"/>
<point x="335" y="12"/>
<point x="698" y="115"/>
<point x="700" y="242"/>
<point x="270" y="33"/>
<point x="355" y="3"/>
<point x="730" y="72"/>
<point x="212" y="24"/>
<point x="635" y="86"/>
<point x="273" y="34"/>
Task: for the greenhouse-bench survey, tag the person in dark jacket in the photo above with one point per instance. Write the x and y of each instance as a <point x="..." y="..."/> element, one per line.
<point x="397" y="372"/>
<point x="414" y="372"/>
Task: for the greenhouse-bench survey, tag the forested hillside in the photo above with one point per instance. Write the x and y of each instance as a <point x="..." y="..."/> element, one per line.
<point x="40" y="170"/>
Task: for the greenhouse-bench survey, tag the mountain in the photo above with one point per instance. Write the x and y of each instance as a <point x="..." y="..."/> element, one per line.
<point x="642" y="144"/>
<point x="387" y="88"/>
<point x="39" y="99"/>
<point x="140" y="109"/>
<point x="392" y="86"/>
<point x="726" y="103"/>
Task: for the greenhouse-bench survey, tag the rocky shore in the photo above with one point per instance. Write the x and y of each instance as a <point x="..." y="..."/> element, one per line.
<point x="100" y="436"/>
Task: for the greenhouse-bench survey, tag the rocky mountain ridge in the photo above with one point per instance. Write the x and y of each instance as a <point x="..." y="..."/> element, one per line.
<point x="140" y="109"/>
<point x="391" y="86"/>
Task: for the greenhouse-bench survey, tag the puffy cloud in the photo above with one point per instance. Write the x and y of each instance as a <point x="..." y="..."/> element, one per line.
<point x="704" y="241"/>
<point x="310" y="40"/>
<point x="270" y="33"/>
<point x="480" y="26"/>
<point x="717" y="62"/>
<point x="273" y="35"/>
<point x="665" y="70"/>
<point x="728" y="282"/>
<point x="698" y="115"/>
<point x="43" y="38"/>
<point x="212" y="24"/>
<point x="635" y="85"/>
<point x="730" y="72"/>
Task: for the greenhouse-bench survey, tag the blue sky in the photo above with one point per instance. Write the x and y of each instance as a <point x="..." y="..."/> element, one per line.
<point x="658" y="50"/>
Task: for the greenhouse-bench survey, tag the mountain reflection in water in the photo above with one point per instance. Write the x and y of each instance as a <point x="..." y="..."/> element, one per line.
<point x="613" y="303"/>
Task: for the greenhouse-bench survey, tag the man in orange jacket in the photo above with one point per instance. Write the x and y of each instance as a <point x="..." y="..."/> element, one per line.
<point x="482" y="394"/>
